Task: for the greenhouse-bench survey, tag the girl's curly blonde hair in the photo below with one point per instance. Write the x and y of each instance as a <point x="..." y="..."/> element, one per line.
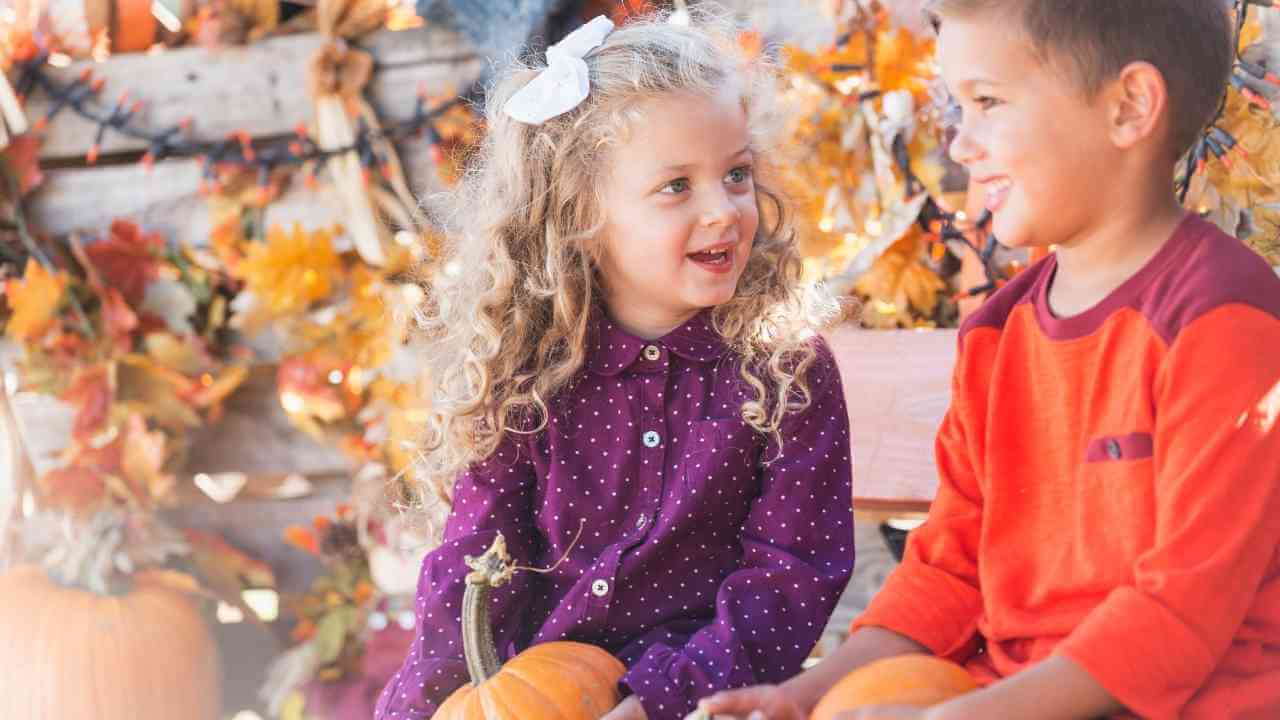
<point x="510" y="301"/>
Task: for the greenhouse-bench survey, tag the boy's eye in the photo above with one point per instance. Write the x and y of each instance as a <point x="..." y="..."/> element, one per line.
<point x="739" y="175"/>
<point x="675" y="187"/>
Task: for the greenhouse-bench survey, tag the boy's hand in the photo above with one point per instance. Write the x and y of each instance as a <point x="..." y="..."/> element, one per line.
<point x="629" y="709"/>
<point x="884" y="712"/>
<point x="762" y="702"/>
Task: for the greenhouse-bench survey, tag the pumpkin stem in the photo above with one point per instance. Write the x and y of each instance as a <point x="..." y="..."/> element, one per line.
<point x="491" y="570"/>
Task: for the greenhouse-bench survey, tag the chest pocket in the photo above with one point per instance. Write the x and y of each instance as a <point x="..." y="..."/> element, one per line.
<point x="720" y="458"/>
<point x="1121" y="469"/>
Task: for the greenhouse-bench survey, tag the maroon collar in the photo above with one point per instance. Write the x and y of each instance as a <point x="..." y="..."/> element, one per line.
<point x="610" y="349"/>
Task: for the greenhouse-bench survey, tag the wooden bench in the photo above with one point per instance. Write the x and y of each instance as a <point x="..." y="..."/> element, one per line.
<point x="897" y="385"/>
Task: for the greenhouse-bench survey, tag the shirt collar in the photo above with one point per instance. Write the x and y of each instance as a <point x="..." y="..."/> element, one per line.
<point x="610" y="349"/>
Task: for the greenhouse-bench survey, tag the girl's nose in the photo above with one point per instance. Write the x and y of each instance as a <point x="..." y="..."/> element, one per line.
<point x="721" y="211"/>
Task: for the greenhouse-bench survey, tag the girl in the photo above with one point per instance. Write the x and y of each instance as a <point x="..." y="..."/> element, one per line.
<point x="626" y="379"/>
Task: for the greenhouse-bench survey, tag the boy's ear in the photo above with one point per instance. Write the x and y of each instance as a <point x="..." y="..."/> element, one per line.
<point x="1137" y="100"/>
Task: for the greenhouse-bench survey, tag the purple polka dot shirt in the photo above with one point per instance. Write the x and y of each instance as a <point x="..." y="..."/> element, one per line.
<point x="708" y="559"/>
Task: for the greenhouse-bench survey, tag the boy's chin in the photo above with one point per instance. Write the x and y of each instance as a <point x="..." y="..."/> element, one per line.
<point x="1013" y="232"/>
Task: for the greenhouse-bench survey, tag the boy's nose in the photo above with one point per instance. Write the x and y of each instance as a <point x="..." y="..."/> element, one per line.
<point x="963" y="149"/>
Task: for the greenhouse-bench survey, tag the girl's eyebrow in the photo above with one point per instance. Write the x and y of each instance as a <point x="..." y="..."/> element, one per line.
<point x="686" y="167"/>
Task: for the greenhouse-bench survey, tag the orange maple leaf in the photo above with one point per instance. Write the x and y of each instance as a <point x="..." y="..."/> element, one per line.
<point x="91" y="392"/>
<point x="34" y="301"/>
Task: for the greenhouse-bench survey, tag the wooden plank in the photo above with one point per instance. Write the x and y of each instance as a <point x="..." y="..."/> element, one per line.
<point x="167" y="199"/>
<point x="897" y="385"/>
<point x="261" y="88"/>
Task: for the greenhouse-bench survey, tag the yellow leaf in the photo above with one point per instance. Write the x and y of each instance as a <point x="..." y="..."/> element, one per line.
<point x="182" y="356"/>
<point x="902" y="63"/>
<point x="292" y="269"/>
<point x="155" y="393"/>
<point x="34" y="301"/>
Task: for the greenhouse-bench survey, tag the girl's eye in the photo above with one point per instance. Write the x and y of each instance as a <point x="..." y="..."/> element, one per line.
<point x="675" y="187"/>
<point x="739" y="175"/>
<point x="986" y="102"/>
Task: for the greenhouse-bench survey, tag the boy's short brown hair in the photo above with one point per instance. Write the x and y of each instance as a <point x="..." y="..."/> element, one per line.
<point x="1189" y="41"/>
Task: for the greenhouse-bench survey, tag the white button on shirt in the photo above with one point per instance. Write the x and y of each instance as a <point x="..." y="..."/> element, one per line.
<point x="600" y="588"/>
<point x="652" y="353"/>
<point x="652" y="439"/>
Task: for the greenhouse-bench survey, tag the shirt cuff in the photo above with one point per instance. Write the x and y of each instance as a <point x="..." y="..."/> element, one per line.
<point x="662" y="699"/>
<point x="1143" y="654"/>
<point x="929" y="606"/>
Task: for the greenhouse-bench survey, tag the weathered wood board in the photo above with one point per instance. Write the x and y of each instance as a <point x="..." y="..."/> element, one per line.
<point x="897" y="385"/>
<point x="259" y="88"/>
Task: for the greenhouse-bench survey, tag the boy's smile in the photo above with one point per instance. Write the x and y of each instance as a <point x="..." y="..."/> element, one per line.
<point x="1034" y="145"/>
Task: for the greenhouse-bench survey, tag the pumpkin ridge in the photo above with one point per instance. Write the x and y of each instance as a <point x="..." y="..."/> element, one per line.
<point x="514" y="677"/>
<point x="577" y="667"/>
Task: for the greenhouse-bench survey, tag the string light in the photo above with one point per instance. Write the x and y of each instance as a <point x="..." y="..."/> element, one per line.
<point x="81" y="96"/>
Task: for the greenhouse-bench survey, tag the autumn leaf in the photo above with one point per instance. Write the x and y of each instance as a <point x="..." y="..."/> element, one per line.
<point x="292" y="269"/>
<point x="901" y="62"/>
<point x="155" y="392"/>
<point x="91" y="392"/>
<point x="213" y="390"/>
<point x="225" y="569"/>
<point x="73" y="489"/>
<point x="118" y="321"/>
<point x="128" y="260"/>
<point x="142" y="462"/>
<point x="22" y="161"/>
<point x="302" y="538"/>
<point x="177" y="354"/>
<point x="33" y="301"/>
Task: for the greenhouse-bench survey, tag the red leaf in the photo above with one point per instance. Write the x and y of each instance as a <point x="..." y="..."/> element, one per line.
<point x="74" y="489"/>
<point x="128" y="260"/>
<point x="118" y="320"/>
<point x="23" y="160"/>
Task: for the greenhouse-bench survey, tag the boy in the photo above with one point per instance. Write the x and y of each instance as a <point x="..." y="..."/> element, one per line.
<point x="1104" y="539"/>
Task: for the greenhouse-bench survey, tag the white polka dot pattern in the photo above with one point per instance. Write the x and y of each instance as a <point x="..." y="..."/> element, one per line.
<point x="710" y="560"/>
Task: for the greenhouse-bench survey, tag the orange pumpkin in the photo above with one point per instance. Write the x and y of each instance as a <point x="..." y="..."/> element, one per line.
<point x="915" y="680"/>
<point x="69" y="653"/>
<point x="551" y="681"/>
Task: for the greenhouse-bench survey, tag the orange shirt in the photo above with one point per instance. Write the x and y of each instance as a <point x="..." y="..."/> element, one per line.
<point x="1110" y="488"/>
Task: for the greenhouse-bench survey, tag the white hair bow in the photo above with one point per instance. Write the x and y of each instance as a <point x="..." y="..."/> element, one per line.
<point x="565" y="83"/>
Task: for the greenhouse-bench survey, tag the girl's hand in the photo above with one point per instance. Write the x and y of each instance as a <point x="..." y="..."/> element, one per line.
<point x="762" y="702"/>
<point x="629" y="709"/>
